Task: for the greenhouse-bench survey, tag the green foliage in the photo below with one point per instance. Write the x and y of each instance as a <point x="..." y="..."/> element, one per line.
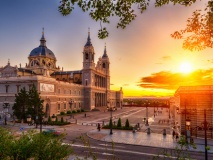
<point x="69" y="112"/>
<point x="127" y="123"/>
<point x="73" y="111"/>
<point x="21" y="104"/>
<point x="28" y="103"/>
<point x="62" y="113"/>
<point x="103" y="10"/>
<point x="56" y="119"/>
<point x="119" y="128"/>
<point x="49" y="119"/>
<point x="82" y="110"/>
<point x="78" y="111"/>
<point x="119" y="123"/>
<point x="62" y="119"/>
<point x="198" y="32"/>
<point x="32" y="146"/>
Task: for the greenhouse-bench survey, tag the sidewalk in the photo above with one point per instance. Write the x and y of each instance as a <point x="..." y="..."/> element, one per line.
<point x="144" y="139"/>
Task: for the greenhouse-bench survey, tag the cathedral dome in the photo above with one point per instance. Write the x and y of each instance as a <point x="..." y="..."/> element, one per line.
<point x="42" y="50"/>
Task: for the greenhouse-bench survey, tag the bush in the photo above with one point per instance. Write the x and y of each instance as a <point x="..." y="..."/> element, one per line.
<point x="49" y="119"/>
<point x="56" y="119"/>
<point x="82" y="110"/>
<point x="127" y="123"/>
<point x="119" y="123"/>
<point x="73" y="111"/>
<point x="68" y="112"/>
<point x="62" y="120"/>
<point x="62" y="113"/>
<point x="78" y="110"/>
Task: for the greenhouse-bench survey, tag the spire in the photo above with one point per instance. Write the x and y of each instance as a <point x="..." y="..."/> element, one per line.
<point x="42" y="40"/>
<point x="8" y="63"/>
<point x="88" y="39"/>
<point x="105" y="52"/>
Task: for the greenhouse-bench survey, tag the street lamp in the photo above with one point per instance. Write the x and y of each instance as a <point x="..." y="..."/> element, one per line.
<point x="110" y="122"/>
<point x="6" y="106"/>
<point x="147" y="122"/>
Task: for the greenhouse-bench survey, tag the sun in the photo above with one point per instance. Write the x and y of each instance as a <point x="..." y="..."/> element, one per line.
<point x="185" y="67"/>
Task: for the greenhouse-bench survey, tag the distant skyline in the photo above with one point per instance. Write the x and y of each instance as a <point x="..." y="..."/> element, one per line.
<point x="144" y="51"/>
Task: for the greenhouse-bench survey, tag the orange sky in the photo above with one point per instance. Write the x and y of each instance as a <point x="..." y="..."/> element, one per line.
<point x="144" y="51"/>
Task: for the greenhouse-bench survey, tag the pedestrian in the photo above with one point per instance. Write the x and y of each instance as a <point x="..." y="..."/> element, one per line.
<point x="99" y="127"/>
<point x="85" y="115"/>
<point x="173" y="134"/>
<point x="177" y="136"/>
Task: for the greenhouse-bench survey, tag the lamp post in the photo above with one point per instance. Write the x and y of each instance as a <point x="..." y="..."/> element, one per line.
<point x="205" y="128"/>
<point x="6" y="107"/>
<point x="188" y="124"/>
<point x="110" y="122"/>
<point x="147" y="122"/>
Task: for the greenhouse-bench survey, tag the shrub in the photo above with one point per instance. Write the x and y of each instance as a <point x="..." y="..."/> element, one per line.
<point x="49" y="119"/>
<point x="62" y="113"/>
<point x="127" y="123"/>
<point x="62" y="120"/>
<point x="110" y="122"/>
<point x="82" y="110"/>
<point x="68" y="112"/>
<point x="119" y="123"/>
<point x="73" y="111"/>
<point x="56" y="119"/>
<point x="78" y="110"/>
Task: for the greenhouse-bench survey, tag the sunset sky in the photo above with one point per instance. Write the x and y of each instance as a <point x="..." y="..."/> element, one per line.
<point x="144" y="59"/>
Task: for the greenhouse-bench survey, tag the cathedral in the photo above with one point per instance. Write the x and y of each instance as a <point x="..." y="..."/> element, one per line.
<point x="62" y="91"/>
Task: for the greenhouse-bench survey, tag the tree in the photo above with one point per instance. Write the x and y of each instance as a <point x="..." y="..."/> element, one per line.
<point x="103" y="10"/>
<point x="32" y="145"/>
<point x="198" y="33"/>
<point x="127" y="123"/>
<point x="21" y="104"/>
<point x="119" y="123"/>
<point x="28" y="103"/>
<point x="35" y="103"/>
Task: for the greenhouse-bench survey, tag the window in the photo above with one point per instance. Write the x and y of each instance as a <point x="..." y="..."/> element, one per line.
<point x="59" y="107"/>
<point x="79" y="92"/>
<point x="86" y="56"/>
<point x="65" y="106"/>
<point x="86" y="82"/>
<point x="64" y="91"/>
<point x="58" y="90"/>
<point x="70" y="92"/>
<point x="18" y="87"/>
<point x="104" y="65"/>
<point x="7" y="88"/>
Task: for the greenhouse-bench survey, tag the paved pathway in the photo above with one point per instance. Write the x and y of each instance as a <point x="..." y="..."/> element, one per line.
<point x="141" y="138"/>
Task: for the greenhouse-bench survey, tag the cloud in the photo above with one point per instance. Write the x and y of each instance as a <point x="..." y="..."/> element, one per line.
<point x="165" y="58"/>
<point x="171" y="81"/>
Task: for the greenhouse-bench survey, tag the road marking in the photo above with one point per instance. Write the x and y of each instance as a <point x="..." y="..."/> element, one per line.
<point x="107" y="145"/>
<point x="120" y="150"/>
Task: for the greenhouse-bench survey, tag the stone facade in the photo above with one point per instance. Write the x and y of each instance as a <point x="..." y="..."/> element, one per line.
<point x="191" y="102"/>
<point x="61" y="91"/>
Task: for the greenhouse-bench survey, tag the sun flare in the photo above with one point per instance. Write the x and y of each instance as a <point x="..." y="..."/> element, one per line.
<point x="185" y="67"/>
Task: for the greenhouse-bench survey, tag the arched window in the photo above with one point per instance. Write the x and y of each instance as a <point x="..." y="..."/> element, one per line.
<point x="104" y="65"/>
<point x="86" y="56"/>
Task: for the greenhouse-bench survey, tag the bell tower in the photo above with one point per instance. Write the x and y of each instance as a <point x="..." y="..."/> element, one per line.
<point x="88" y="54"/>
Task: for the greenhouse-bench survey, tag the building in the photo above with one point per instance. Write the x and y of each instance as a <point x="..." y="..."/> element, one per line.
<point x="87" y="89"/>
<point x="191" y="102"/>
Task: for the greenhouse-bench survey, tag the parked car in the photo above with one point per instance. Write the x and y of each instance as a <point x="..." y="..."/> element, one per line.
<point x="52" y="131"/>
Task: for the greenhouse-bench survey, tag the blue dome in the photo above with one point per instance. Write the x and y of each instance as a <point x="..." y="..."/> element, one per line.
<point x="43" y="51"/>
